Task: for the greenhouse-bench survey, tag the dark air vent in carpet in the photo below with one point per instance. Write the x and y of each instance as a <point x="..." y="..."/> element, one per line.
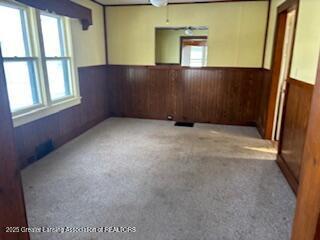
<point x="184" y="124"/>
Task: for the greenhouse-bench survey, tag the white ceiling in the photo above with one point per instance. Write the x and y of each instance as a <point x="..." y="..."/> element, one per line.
<point x="126" y="2"/>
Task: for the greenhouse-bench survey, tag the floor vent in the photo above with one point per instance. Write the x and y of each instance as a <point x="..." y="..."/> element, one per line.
<point x="44" y="149"/>
<point x="184" y="124"/>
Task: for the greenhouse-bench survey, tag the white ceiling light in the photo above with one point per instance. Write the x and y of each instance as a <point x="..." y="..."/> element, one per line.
<point x="188" y="31"/>
<point x="159" y="3"/>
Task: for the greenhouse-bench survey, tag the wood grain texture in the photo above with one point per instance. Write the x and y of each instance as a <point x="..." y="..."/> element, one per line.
<point x="276" y="68"/>
<point x="318" y="228"/>
<point x="12" y="209"/>
<point x="308" y="203"/>
<point x="64" y="8"/>
<point x="207" y="95"/>
<point x="294" y="127"/>
<point x="225" y="96"/>
<point x="65" y="125"/>
<point x="264" y="98"/>
<point x="141" y="92"/>
<point x="288" y="174"/>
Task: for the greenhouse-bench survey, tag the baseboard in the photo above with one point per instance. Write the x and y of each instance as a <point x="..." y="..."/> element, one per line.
<point x="288" y="174"/>
<point x="176" y="119"/>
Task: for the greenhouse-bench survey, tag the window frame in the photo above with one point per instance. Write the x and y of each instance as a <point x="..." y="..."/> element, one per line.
<point x="204" y="39"/>
<point x="34" y="34"/>
<point x="30" y="58"/>
<point x="67" y="54"/>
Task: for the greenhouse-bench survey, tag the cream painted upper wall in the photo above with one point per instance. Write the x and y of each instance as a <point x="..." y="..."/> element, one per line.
<point x="271" y="32"/>
<point x="307" y="41"/>
<point x="236" y="31"/>
<point x="89" y="46"/>
<point x="307" y="44"/>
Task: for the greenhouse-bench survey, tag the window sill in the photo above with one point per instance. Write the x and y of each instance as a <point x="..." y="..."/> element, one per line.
<point x="44" y="111"/>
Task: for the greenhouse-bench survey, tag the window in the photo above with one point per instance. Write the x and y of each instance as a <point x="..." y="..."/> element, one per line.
<point x="19" y="63"/>
<point x="38" y="62"/>
<point x="194" y="51"/>
<point x="198" y="56"/>
<point x="56" y="56"/>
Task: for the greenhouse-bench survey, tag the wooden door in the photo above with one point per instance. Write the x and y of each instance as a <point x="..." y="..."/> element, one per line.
<point x="296" y="100"/>
<point x="276" y="68"/>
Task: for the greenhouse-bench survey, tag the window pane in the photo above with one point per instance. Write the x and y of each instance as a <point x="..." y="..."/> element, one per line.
<point x="52" y="36"/>
<point x="197" y="56"/>
<point x="12" y="33"/>
<point x="58" y="76"/>
<point x="21" y="83"/>
<point x="196" y="52"/>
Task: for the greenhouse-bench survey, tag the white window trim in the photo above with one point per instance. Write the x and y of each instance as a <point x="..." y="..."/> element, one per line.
<point x="47" y="107"/>
<point x="45" y="111"/>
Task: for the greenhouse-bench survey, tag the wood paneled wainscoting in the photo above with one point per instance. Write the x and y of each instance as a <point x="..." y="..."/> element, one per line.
<point x="294" y="129"/>
<point x="306" y="224"/>
<point x="264" y="101"/>
<point x="207" y="95"/>
<point x="65" y="125"/>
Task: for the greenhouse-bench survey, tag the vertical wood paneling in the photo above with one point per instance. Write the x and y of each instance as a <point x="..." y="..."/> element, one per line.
<point x="294" y="129"/>
<point x="141" y="92"/>
<point x="226" y="96"/>
<point x="211" y="95"/>
<point x="67" y="124"/>
<point x="12" y="209"/>
<point x="308" y="203"/>
<point x="263" y="101"/>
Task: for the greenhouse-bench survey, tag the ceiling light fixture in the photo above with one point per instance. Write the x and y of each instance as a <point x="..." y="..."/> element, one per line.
<point x="159" y="3"/>
<point x="188" y="31"/>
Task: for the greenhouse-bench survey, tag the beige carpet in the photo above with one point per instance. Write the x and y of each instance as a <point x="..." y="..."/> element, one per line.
<point x="208" y="182"/>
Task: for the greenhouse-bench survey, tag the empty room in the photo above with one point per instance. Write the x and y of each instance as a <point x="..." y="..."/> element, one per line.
<point x="159" y="119"/>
